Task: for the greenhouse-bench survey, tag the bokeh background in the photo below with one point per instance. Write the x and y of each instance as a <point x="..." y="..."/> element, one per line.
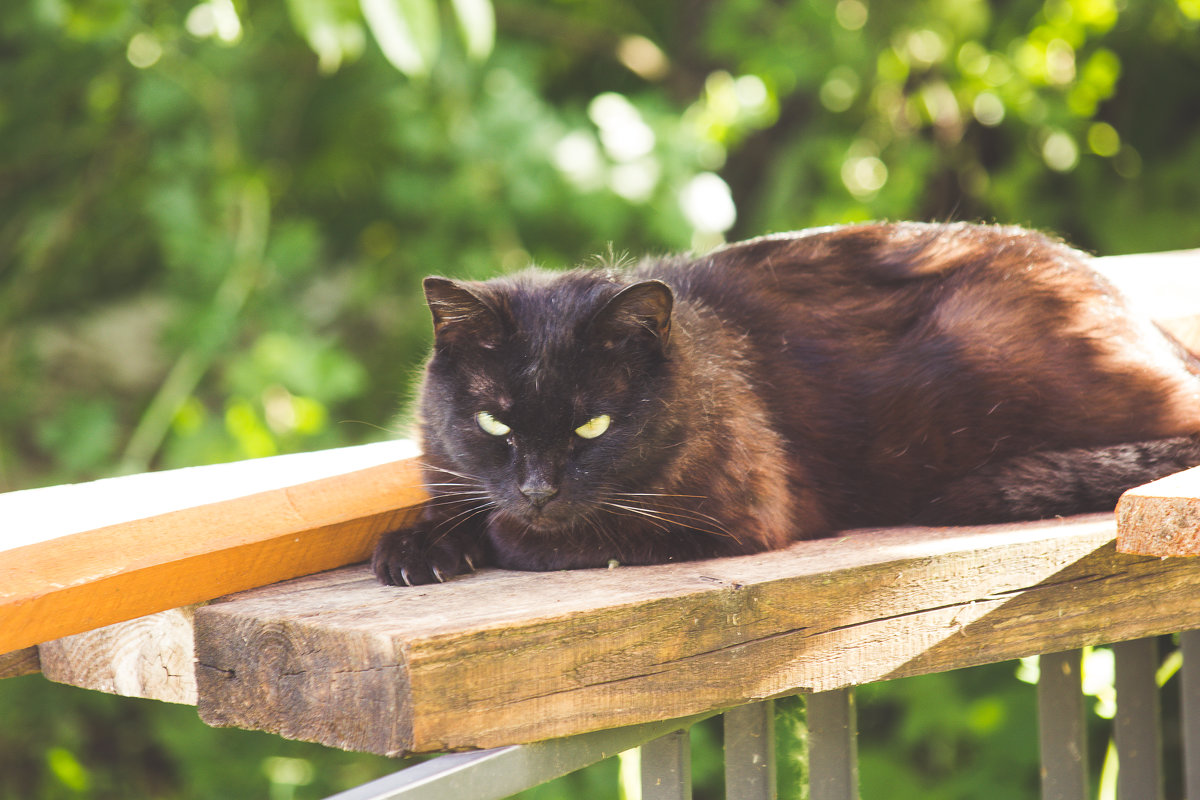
<point x="214" y="218"/>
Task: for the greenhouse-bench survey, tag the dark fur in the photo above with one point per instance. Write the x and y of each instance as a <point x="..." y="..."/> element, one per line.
<point x="782" y="389"/>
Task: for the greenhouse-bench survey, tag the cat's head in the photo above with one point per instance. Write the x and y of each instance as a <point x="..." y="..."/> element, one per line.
<point x="543" y="389"/>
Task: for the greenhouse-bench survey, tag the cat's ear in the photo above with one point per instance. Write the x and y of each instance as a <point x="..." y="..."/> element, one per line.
<point x="640" y="309"/>
<point x="459" y="315"/>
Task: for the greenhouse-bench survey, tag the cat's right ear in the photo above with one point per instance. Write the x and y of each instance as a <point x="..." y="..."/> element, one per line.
<point x="460" y="316"/>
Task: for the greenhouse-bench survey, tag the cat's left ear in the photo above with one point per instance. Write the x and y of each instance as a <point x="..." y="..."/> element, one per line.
<point x="643" y="308"/>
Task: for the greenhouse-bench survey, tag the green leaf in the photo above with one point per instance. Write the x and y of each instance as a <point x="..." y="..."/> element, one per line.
<point x="477" y="24"/>
<point x="407" y="32"/>
<point x="331" y="29"/>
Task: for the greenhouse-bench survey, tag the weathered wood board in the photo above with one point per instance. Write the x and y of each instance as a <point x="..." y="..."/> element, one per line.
<point x="501" y="657"/>
<point x="1161" y="518"/>
<point x="82" y="581"/>
<point x="19" y="662"/>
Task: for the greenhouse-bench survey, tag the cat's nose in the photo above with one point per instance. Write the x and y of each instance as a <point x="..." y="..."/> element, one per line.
<point x="538" y="493"/>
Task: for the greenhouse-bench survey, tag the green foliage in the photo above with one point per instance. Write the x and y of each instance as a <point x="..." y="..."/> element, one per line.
<point x="216" y="214"/>
<point x="62" y="742"/>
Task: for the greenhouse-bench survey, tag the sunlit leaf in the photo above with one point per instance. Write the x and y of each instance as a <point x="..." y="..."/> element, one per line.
<point x="248" y="430"/>
<point x="1099" y="14"/>
<point x="68" y="770"/>
<point x="477" y="23"/>
<point x="407" y="32"/>
<point x="331" y="30"/>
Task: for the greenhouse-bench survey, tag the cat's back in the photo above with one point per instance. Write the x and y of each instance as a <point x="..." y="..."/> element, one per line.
<point x="842" y="271"/>
<point x="863" y="304"/>
<point x="917" y="347"/>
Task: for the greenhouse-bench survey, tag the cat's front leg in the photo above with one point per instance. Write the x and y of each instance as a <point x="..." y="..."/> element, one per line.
<point x="435" y="549"/>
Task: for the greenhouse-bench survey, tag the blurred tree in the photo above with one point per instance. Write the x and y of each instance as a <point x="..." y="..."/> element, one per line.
<point x="214" y="216"/>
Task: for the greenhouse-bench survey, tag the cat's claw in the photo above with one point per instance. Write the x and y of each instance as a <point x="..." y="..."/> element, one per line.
<point x="402" y="558"/>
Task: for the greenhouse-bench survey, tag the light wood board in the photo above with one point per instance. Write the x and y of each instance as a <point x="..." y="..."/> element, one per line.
<point x="82" y="581"/>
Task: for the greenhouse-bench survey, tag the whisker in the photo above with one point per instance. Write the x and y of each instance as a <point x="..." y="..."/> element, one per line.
<point x="450" y="491"/>
<point x="470" y="513"/>
<point x="688" y="511"/>
<point x="715" y="528"/>
<point x="637" y="514"/>
<point x="602" y="533"/>
<point x="454" y="501"/>
<point x="463" y="475"/>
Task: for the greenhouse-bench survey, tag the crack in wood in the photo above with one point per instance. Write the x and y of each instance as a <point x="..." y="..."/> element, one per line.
<point x="1081" y="580"/>
<point x="227" y="674"/>
<point x="516" y="701"/>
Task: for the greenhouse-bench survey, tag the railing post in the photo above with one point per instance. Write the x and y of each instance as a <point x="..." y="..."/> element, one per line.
<point x="1137" y="724"/>
<point x="1061" y="727"/>
<point x="667" y="767"/>
<point x="750" y="752"/>
<point x="832" y="745"/>
<point x="1190" y="699"/>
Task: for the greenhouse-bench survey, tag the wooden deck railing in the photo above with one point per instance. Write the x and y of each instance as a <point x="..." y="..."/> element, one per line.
<point x="212" y="604"/>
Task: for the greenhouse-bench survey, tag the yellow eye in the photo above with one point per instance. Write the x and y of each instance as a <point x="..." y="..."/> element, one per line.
<point x="491" y="425"/>
<point x="594" y="427"/>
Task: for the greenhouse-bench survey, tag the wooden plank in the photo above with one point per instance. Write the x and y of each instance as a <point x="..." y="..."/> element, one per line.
<point x="832" y="745"/>
<point x="1165" y="286"/>
<point x="149" y="657"/>
<point x="83" y="581"/>
<point x="37" y="515"/>
<point x="666" y="767"/>
<point x="1189" y="691"/>
<point x="750" y="752"/>
<point x="19" y="662"/>
<point x="1137" y="727"/>
<point x="502" y="657"/>
<point x="1161" y="518"/>
<point x="1062" y="727"/>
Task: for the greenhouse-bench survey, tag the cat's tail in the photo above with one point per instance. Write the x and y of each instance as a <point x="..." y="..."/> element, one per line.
<point x="1058" y="483"/>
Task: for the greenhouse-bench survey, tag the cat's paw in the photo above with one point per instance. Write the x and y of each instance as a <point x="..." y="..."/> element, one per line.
<point x="407" y="558"/>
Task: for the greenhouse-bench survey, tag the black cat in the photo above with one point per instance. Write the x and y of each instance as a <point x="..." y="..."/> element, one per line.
<point x="781" y="389"/>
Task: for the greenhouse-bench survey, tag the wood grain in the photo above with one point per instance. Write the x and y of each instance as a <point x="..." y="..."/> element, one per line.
<point x="83" y="581"/>
<point x="19" y="662"/>
<point x="502" y="657"/>
<point x="1161" y="518"/>
<point x="148" y="657"/>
